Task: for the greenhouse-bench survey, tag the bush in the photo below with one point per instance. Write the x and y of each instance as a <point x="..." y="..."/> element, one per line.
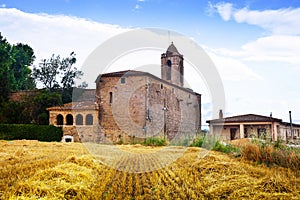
<point x="153" y="141"/>
<point x="30" y="132"/>
<point x="198" y="141"/>
<point x="223" y="147"/>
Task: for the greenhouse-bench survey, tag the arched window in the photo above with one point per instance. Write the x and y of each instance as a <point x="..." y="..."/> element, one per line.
<point x="89" y="119"/>
<point x="169" y="64"/>
<point x="181" y="71"/>
<point x="69" y="119"/>
<point x="59" y="120"/>
<point x="79" y="119"/>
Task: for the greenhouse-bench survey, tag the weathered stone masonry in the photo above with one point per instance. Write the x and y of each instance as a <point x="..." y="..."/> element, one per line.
<point x="138" y="104"/>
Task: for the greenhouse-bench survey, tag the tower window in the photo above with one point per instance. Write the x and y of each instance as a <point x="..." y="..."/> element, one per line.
<point x="110" y="97"/>
<point x="169" y="64"/>
<point x="181" y="71"/>
<point x="123" y="80"/>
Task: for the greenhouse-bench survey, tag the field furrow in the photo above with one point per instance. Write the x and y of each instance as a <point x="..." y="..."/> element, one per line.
<point x="68" y="171"/>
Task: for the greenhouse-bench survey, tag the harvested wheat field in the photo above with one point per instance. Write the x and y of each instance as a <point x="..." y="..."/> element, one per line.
<point x="35" y="170"/>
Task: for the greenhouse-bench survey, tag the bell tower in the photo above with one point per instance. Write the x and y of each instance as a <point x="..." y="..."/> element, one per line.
<point x="172" y="66"/>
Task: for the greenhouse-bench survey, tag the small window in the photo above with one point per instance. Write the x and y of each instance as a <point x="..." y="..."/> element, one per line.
<point x="173" y="91"/>
<point x="161" y="86"/>
<point x="110" y="97"/>
<point x="123" y="80"/>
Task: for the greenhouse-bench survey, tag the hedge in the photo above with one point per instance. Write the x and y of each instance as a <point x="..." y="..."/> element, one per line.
<point x="30" y="132"/>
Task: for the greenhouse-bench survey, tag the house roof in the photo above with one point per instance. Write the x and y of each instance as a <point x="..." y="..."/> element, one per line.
<point x="82" y="105"/>
<point x="288" y="124"/>
<point x="245" y="118"/>
<point x="127" y="73"/>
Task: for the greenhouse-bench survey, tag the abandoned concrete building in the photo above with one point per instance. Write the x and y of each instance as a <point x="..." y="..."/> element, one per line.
<point x="251" y="125"/>
<point x="132" y="104"/>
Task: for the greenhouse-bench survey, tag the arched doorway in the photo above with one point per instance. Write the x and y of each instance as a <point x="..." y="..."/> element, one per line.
<point x="69" y="119"/>
<point x="89" y="119"/>
<point x="59" y="120"/>
<point x="79" y="119"/>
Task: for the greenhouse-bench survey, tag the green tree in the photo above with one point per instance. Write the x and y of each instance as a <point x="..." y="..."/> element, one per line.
<point x="38" y="103"/>
<point x="58" y="74"/>
<point x="5" y="76"/>
<point x="23" y="57"/>
<point x="15" y="73"/>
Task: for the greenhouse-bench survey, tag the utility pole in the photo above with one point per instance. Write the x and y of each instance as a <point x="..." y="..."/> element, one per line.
<point x="291" y="125"/>
<point x="165" y="119"/>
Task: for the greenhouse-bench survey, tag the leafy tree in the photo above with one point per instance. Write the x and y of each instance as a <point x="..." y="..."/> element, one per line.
<point x="23" y="57"/>
<point x="15" y="73"/>
<point x="42" y="100"/>
<point x="56" y="73"/>
<point x="5" y="76"/>
<point x="31" y="110"/>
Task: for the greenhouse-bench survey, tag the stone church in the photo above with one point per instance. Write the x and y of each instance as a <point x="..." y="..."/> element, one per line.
<point x="133" y="105"/>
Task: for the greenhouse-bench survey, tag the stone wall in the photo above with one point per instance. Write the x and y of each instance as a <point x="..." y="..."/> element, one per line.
<point x="134" y="108"/>
<point x="20" y="95"/>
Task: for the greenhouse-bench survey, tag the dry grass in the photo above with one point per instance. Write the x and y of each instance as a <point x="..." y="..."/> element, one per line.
<point x="34" y="170"/>
<point x="269" y="153"/>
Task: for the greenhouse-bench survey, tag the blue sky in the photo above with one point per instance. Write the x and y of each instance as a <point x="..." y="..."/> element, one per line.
<point x="254" y="44"/>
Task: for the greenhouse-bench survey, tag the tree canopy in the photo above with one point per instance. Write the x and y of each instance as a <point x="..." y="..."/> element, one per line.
<point x="57" y="73"/>
<point x="15" y="72"/>
<point x="57" y="76"/>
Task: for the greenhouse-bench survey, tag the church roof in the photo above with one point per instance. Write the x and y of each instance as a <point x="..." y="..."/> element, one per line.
<point x="172" y="49"/>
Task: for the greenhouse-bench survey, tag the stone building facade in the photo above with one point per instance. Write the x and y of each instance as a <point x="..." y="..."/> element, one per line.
<point x="138" y="104"/>
<point x="131" y="105"/>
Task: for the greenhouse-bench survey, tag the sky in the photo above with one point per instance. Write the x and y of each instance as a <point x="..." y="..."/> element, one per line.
<point x="254" y="44"/>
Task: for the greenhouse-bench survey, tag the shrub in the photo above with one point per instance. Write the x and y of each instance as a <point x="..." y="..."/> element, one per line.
<point x="223" y="147"/>
<point x="198" y="141"/>
<point x="30" y="132"/>
<point x="153" y="141"/>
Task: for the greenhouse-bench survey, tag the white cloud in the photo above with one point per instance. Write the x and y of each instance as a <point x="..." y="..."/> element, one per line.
<point x="230" y="68"/>
<point x="3" y="5"/>
<point x="274" y="48"/>
<point x="280" y="21"/>
<point x="225" y="10"/>
<point x="278" y="48"/>
<point x="58" y="34"/>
